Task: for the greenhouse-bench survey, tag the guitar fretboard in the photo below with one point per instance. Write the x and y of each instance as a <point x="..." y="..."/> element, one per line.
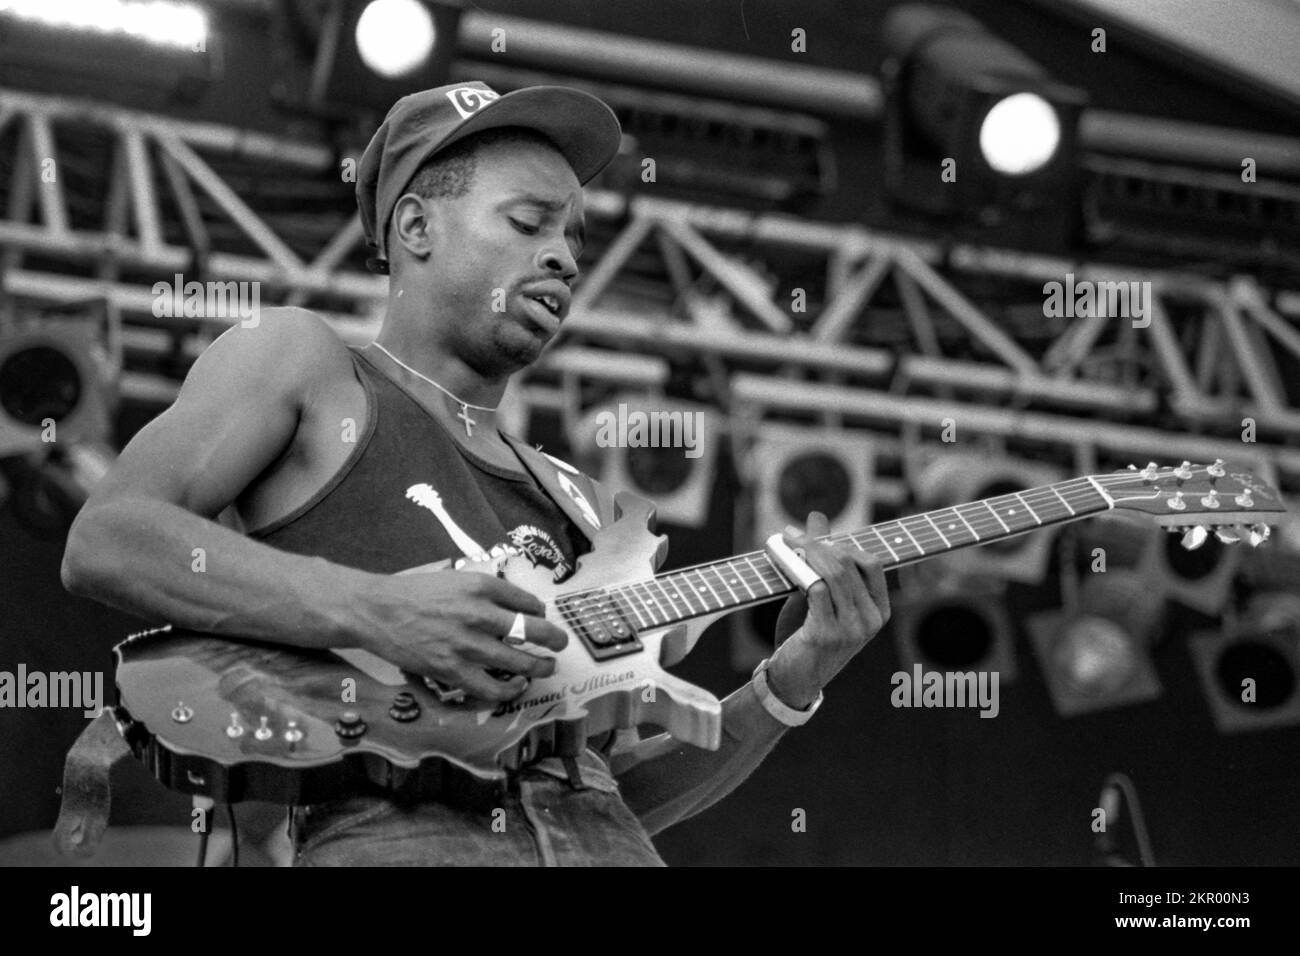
<point x="753" y="578"/>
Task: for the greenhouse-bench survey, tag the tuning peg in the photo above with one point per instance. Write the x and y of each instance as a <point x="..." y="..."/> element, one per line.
<point x="1183" y="471"/>
<point x="1244" y="499"/>
<point x="1211" y="499"/>
<point x="1216" y="470"/>
<point x="1176" y="503"/>
<point x="1195" y="537"/>
<point x="1256" y="537"/>
<point x="1227" y="535"/>
<point x="1149" y="472"/>
<point x="1132" y="467"/>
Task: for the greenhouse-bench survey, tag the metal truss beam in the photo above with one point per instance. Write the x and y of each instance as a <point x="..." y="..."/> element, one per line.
<point x="718" y="283"/>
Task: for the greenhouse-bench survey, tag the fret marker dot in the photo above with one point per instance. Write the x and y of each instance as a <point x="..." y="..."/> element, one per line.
<point x="898" y="541"/>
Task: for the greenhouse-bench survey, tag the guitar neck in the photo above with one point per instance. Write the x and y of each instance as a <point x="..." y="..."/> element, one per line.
<point x="752" y="578"/>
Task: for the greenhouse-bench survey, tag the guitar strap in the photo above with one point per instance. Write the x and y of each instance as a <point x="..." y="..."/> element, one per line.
<point x="83" y="811"/>
<point x="586" y="502"/>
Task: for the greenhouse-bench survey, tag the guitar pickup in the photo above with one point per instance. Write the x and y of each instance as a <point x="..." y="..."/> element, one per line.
<point x="605" y="628"/>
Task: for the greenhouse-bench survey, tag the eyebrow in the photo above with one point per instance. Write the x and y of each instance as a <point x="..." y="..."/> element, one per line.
<point x="551" y="206"/>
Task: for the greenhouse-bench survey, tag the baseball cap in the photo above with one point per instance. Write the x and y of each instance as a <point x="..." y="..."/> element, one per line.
<point x="582" y="127"/>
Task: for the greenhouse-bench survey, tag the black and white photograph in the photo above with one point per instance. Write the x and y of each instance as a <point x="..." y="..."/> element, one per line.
<point x="651" y="433"/>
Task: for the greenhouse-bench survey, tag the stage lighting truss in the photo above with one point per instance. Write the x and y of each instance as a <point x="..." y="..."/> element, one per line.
<point x="790" y="311"/>
<point x="57" y="386"/>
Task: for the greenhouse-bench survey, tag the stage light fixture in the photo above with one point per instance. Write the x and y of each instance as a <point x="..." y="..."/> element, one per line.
<point x="1096" y="655"/>
<point x="181" y="25"/>
<point x="56" y="386"/>
<point x="1020" y="134"/>
<point x="370" y="53"/>
<point x="394" y="37"/>
<point x="1251" y="673"/>
<point x="976" y="132"/>
<point x="954" y="629"/>
<point x="660" y="448"/>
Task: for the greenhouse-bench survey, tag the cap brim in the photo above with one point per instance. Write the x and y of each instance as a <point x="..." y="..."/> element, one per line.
<point x="582" y="127"/>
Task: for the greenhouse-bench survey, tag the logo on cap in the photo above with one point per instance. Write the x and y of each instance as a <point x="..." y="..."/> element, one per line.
<point x="468" y="100"/>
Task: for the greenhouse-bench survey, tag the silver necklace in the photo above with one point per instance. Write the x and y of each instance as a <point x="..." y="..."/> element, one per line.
<point x="464" y="406"/>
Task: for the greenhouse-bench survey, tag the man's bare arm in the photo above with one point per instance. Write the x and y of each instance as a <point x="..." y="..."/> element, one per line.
<point x="133" y="544"/>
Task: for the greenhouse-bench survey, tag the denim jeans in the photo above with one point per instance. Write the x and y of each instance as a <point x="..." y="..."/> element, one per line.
<point x="542" y="821"/>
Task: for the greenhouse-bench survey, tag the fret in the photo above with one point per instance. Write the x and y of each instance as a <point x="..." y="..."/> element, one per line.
<point x="620" y="594"/>
<point x="704" y="588"/>
<point x="676" y="611"/>
<point x="966" y="523"/>
<point x="1062" y="497"/>
<point x="915" y="543"/>
<point x="898" y="540"/>
<point x="685" y="598"/>
<point x="1032" y="513"/>
<point x="636" y="590"/>
<point x="942" y="537"/>
<point x="877" y="533"/>
<point x="996" y="515"/>
<point x="741" y="578"/>
<point x="717" y="572"/>
<point x="784" y="584"/>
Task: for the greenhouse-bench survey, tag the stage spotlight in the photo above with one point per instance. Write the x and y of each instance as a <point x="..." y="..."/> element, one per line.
<point x="797" y="470"/>
<point x="182" y="25"/>
<point x="977" y="131"/>
<point x="955" y="630"/>
<point x="1020" y="134"/>
<point x="1251" y="675"/>
<point x="371" y="53"/>
<point x="55" y="386"/>
<point x="1097" y="656"/>
<point x="394" y="37"/>
<point x="663" y="449"/>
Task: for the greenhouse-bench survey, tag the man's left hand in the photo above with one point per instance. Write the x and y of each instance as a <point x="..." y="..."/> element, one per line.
<point x="840" y="614"/>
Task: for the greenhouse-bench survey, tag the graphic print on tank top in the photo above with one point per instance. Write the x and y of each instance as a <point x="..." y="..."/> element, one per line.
<point x="525" y="540"/>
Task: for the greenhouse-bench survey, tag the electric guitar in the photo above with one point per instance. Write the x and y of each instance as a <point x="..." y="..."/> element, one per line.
<point x="239" y="720"/>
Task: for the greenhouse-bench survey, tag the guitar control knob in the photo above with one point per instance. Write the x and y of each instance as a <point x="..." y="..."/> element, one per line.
<point x="1216" y="470"/>
<point x="349" y="725"/>
<point x="1244" y="499"/>
<point x="1176" y="503"/>
<point x="405" y="707"/>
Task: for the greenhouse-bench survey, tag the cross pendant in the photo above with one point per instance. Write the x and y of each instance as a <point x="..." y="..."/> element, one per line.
<point x="469" y="422"/>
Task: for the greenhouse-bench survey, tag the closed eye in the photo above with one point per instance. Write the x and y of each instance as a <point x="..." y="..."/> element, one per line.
<point x="528" y="229"/>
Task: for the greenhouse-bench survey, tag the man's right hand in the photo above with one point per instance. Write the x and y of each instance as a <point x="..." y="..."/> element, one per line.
<point x="449" y="625"/>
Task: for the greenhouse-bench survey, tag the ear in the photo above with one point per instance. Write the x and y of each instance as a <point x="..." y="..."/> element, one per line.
<point x="415" y="224"/>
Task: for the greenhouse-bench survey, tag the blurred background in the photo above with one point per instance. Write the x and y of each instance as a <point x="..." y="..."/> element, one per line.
<point x="777" y="247"/>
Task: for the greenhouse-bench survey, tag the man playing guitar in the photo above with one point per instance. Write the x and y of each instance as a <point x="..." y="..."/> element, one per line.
<point x="307" y="474"/>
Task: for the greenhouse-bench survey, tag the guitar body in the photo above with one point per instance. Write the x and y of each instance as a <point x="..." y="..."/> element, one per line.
<point x="240" y="720"/>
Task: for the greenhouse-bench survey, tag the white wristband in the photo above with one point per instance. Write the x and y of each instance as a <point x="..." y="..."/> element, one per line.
<point x="780" y="710"/>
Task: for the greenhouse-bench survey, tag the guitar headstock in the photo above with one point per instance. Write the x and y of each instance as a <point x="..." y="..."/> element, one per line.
<point x="1195" y="498"/>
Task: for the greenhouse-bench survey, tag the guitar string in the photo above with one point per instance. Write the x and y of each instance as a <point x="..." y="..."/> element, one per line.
<point x="1073" y="487"/>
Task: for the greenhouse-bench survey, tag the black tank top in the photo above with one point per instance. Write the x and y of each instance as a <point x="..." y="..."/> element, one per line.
<point x="410" y="495"/>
